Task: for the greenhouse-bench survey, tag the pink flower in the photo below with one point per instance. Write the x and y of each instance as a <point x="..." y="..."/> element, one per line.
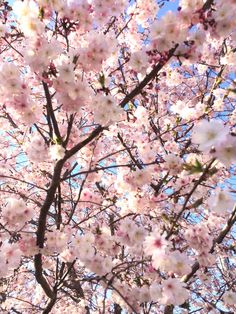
<point x="209" y="133"/>
<point x="173" y="292"/>
<point x="229" y="298"/>
<point x="155" y="243"/>
<point x="221" y="201"/>
<point x="174" y="262"/>
<point x="11" y="254"/>
<point x="17" y="213"/>
<point x="225" y="150"/>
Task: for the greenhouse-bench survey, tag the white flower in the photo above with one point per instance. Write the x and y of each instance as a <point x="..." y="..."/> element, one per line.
<point x="229" y="298"/>
<point x="106" y="110"/>
<point x="221" y="201"/>
<point x="66" y="72"/>
<point x="155" y="243"/>
<point x="127" y="225"/>
<point x="11" y="254"/>
<point x="57" y="152"/>
<point x="83" y="247"/>
<point x="156" y="30"/>
<point x="173" y="163"/>
<point x="182" y="109"/>
<point x="27" y="15"/>
<point x="25" y="9"/>
<point x="173" y="292"/>
<point x="31" y="26"/>
<point x="225" y="151"/>
<point x="139" y="61"/>
<point x="137" y="235"/>
<point x="16" y="212"/>
<point x="209" y="133"/>
<point x="172" y="261"/>
<point x="155" y="292"/>
<point x="181" y="263"/>
<point x="141" y="177"/>
<point x="36" y="149"/>
<point x="229" y="59"/>
<point x="144" y="294"/>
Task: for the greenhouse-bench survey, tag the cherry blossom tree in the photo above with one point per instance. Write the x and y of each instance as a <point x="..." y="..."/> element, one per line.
<point x="118" y="152"/>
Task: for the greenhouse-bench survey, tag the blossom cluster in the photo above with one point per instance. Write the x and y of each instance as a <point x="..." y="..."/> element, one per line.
<point x="117" y="156"/>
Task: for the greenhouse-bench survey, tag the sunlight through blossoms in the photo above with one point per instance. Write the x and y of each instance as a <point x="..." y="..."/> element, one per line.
<point x="117" y="156"/>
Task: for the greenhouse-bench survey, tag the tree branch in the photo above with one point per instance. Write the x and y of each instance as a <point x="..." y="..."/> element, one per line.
<point x="148" y="78"/>
<point x="51" y="112"/>
<point x="45" y="208"/>
<point x="218" y="240"/>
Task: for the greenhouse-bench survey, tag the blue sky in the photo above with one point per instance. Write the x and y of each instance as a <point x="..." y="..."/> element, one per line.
<point x="169" y="6"/>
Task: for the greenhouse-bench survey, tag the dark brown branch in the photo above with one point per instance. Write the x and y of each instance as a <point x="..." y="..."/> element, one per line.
<point x="169" y="309"/>
<point x="51" y="112"/>
<point x="40" y="278"/>
<point x="157" y="68"/>
<point x="137" y="163"/>
<point x="48" y="202"/>
<point x="42" y="228"/>
<point x="96" y="169"/>
<point x="200" y="180"/>
<point x="80" y="145"/>
<point x="148" y="78"/>
<point x="117" y="309"/>
<point x="12" y="47"/>
<point x="207" y="5"/>
<point x="69" y="128"/>
<point x="226" y="230"/>
<point x="50" y="305"/>
<point x="45" y="209"/>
